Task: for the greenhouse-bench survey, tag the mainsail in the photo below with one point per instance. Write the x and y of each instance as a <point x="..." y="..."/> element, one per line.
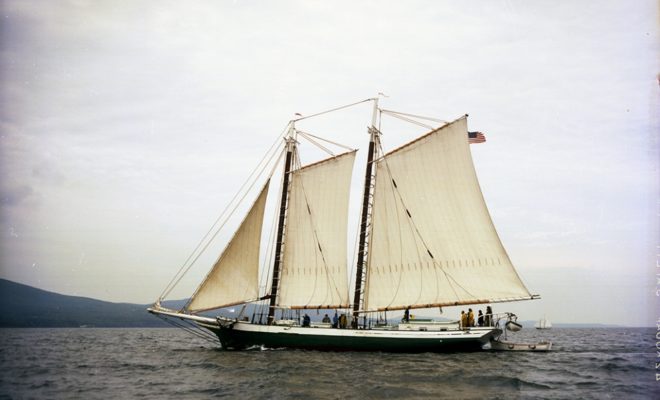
<point x="432" y="241"/>
<point x="234" y="277"/>
<point x="314" y="266"/>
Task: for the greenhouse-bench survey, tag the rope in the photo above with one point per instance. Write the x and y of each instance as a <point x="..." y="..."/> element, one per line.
<point x="394" y="191"/>
<point x="326" y="140"/>
<point x="332" y="110"/>
<point x="392" y="113"/>
<point x="201" y="247"/>
<point x="201" y="334"/>
<point x="419" y="235"/>
<point x="412" y="121"/>
<point x="196" y="253"/>
<point x="372" y="183"/>
<point x="209" y="236"/>
<point x="270" y="248"/>
<point x="315" y="143"/>
<point x="218" y="231"/>
<point x="318" y="246"/>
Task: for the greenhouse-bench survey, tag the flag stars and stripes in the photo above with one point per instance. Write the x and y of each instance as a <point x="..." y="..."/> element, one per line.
<point x="476" y="137"/>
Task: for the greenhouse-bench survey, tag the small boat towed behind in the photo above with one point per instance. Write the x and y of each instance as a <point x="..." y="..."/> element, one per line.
<point x="511" y="324"/>
<point x="510" y="346"/>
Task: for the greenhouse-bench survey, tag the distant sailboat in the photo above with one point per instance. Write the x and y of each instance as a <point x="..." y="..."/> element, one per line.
<point x="426" y="240"/>
<point x="543" y="323"/>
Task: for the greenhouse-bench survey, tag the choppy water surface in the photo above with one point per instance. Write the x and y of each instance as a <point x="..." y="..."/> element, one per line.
<point x="169" y="363"/>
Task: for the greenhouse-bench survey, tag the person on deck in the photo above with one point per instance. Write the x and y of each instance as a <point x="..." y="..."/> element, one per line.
<point x="480" y="319"/>
<point x="470" y="317"/>
<point x="326" y="319"/>
<point x="343" y="322"/>
<point x="489" y="316"/>
<point x="335" y="321"/>
<point x="406" y="315"/>
<point x="464" y="320"/>
<point x="306" y="321"/>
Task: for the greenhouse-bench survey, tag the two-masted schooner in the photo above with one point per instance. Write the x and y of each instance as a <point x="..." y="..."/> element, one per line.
<point x="426" y="240"/>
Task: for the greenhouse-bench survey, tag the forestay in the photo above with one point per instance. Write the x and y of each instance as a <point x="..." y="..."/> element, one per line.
<point x="314" y="265"/>
<point x="234" y="277"/>
<point x="433" y="242"/>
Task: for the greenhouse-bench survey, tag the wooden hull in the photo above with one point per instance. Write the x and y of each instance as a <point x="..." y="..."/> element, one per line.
<point x="242" y="335"/>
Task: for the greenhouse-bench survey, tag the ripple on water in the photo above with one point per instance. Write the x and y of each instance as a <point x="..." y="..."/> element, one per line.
<point x="167" y="363"/>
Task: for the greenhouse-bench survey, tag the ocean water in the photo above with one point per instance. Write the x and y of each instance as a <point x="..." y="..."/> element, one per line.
<point x="98" y="363"/>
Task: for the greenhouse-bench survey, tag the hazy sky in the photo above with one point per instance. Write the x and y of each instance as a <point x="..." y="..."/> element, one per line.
<point x="126" y="126"/>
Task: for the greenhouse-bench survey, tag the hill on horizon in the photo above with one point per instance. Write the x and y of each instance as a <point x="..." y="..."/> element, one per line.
<point x="23" y="306"/>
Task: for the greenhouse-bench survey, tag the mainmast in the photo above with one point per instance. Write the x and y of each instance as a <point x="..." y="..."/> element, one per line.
<point x="360" y="274"/>
<point x="279" y="242"/>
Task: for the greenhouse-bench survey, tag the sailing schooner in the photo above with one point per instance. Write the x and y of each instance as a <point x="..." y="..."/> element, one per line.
<point x="543" y="323"/>
<point x="426" y="240"/>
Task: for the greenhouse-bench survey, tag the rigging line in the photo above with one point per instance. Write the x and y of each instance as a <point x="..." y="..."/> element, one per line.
<point x="326" y="140"/>
<point x="332" y="110"/>
<point x="410" y="226"/>
<point x="210" y="240"/>
<point x="268" y="262"/>
<point x="398" y="220"/>
<point x="353" y="261"/>
<point x="412" y="121"/>
<point x="187" y="329"/>
<point x="390" y="112"/>
<point x="311" y="222"/>
<point x="369" y="228"/>
<point x="284" y="213"/>
<point x="206" y="238"/>
<point x="171" y="284"/>
<point x="447" y="275"/>
<point x="221" y="256"/>
<point x="315" y="143"/>
<point x="320" y="249"/>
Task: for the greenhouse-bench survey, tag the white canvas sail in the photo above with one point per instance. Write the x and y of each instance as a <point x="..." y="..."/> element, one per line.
<point x="234" y="277"/>
<point x="314" y="264"/>
<point x="433" y="242"/>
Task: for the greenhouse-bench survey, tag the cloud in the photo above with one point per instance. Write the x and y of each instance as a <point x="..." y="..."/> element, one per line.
<point x="14" y="195"/>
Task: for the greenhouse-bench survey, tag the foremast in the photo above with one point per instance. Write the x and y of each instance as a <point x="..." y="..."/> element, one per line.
<point x="281" y="222"/>
<point x="363" y="245"/>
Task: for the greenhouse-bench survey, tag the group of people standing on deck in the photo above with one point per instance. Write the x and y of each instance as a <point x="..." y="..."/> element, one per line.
<point x="467" y="319"/>
<point x="337" y="321"/>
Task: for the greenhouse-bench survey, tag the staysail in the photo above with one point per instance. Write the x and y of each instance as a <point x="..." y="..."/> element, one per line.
<point x="432" y="241"/>
<point x="314" y="265"/>
<point x="234" y="277"/>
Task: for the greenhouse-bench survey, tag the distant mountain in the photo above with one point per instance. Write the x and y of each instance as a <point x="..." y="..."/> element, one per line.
<point x="26" y="306"/>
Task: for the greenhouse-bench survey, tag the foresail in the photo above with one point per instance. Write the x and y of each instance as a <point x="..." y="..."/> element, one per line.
<point x="433" y="242"/>
<point x="234" y="277"/>
<point x="314" y="266"/>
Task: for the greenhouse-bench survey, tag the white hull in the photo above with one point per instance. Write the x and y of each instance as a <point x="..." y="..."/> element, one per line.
<point x="510" y="346"/>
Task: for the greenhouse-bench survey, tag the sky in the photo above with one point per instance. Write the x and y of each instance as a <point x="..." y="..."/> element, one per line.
<point x="125" y="128"/>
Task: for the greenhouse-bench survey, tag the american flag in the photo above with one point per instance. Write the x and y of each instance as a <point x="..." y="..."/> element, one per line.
<point x="476" y="137"/>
